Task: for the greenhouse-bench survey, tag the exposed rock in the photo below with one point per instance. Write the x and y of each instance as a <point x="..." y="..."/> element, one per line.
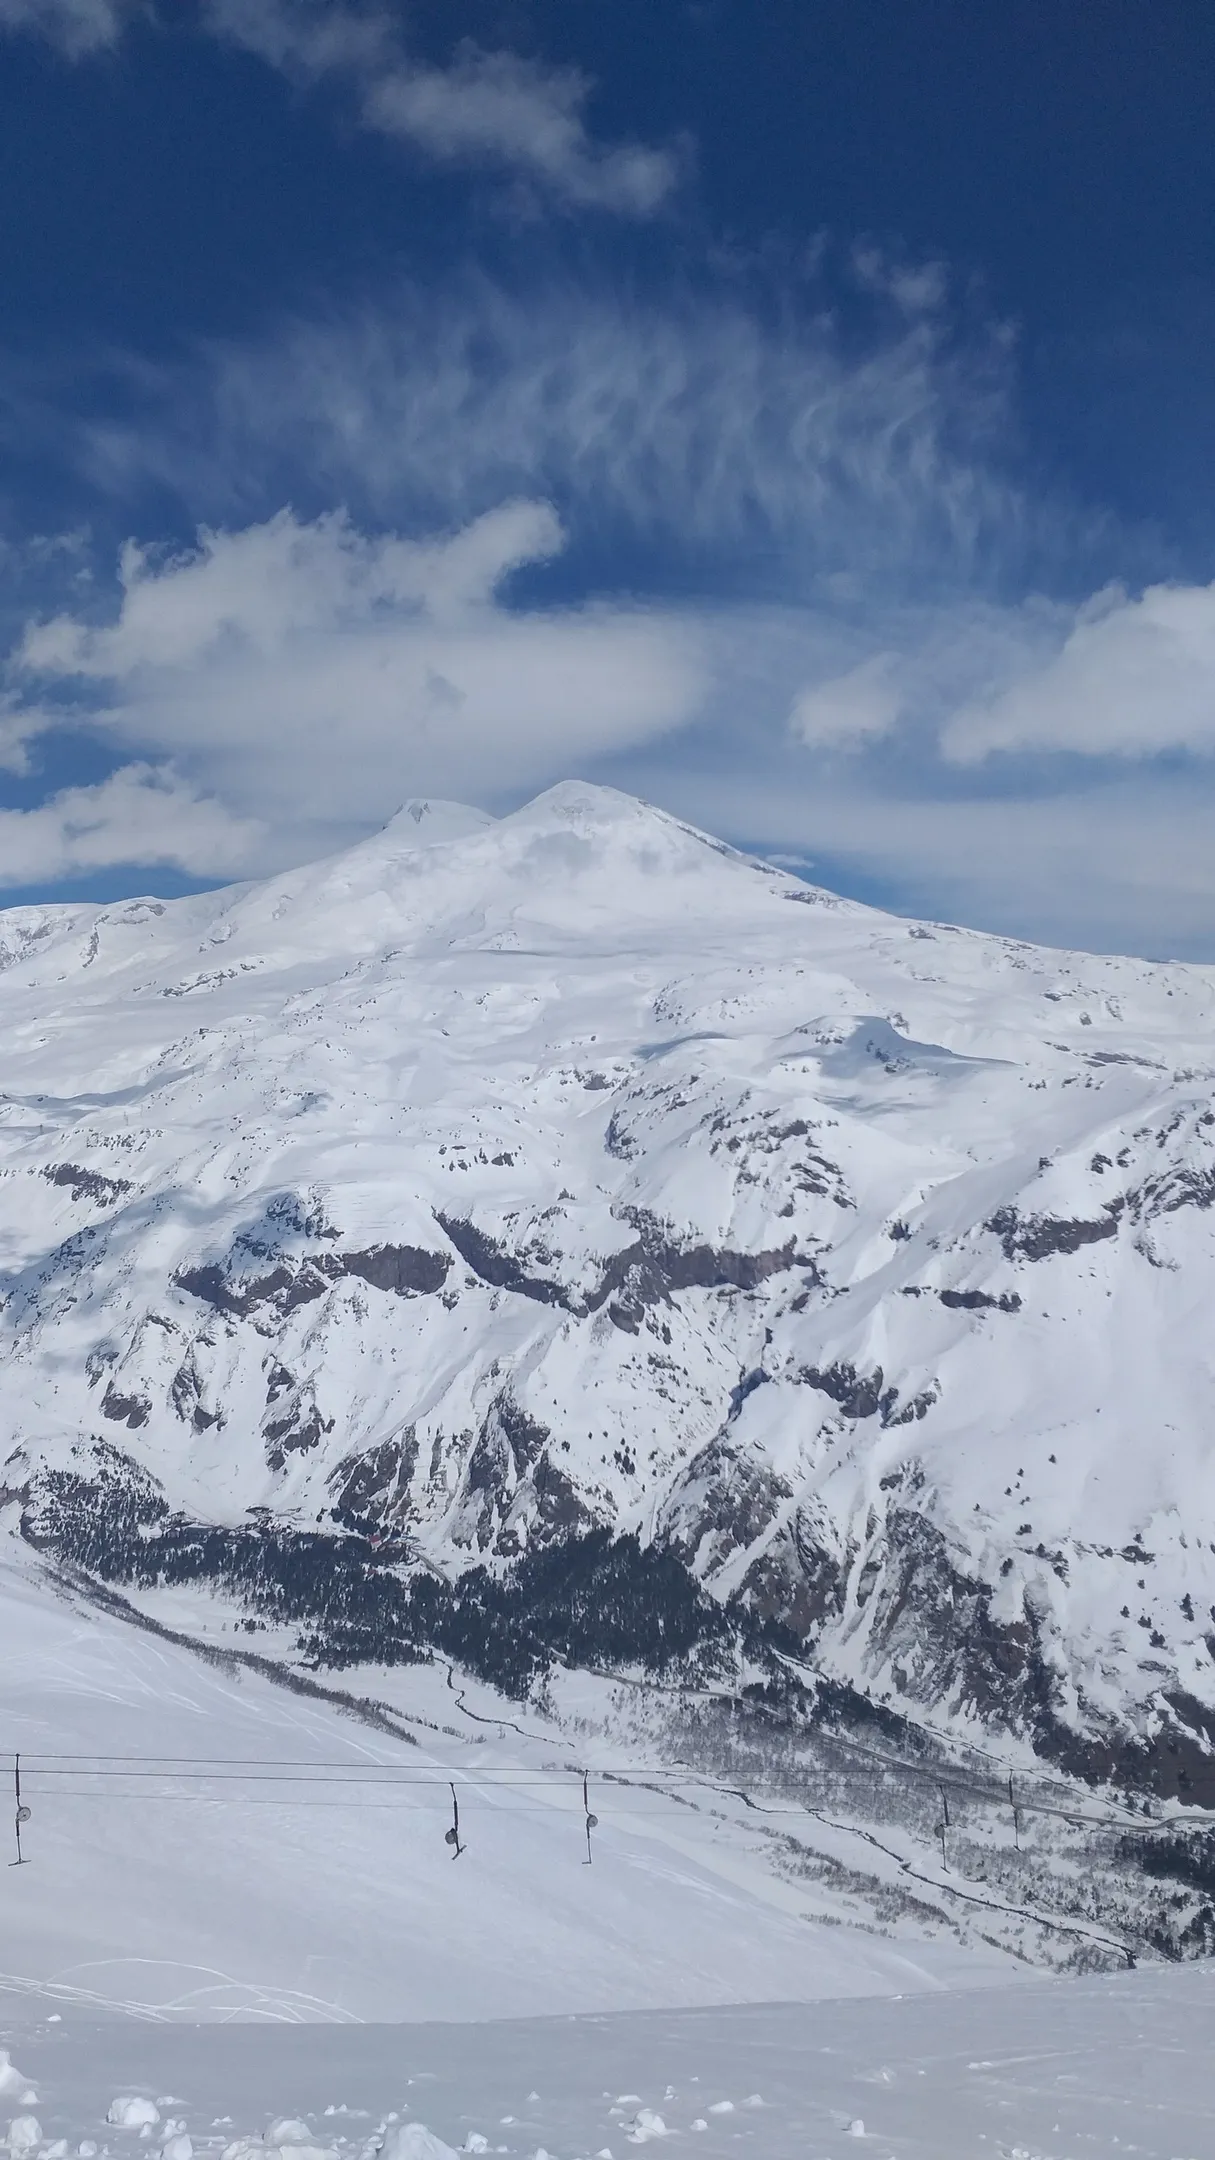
<point x="186" y="1393"/>
<point x="294" y="1426"/>
<point x="494" y="1265"/>
<point x="407" y="1270"/>
<point x="132" y="1410"/>
<point x="859" y="1395"/>
<point x="655" y="1267"/>
<point x="726" y="1499"/>
<point x="280" y="1291"/>
<point x="980" y="1300"/>
<point x="1037" y="1237"/>
<point x="371" y="1490"/>
<point x="87" y="1184"/>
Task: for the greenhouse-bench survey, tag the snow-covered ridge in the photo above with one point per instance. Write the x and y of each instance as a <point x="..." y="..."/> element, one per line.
<point x="498" y="1179"/>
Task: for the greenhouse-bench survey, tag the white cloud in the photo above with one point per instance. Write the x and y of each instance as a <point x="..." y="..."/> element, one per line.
<point x="139" y="815"/>
<point x="20" y="726"/>
<point x="917" y="288"/>
<point x="497" y="106"/>
<point x="850" y="710"/>
<point x="77" y="27"/>
<point x="314" y="676"/>
<point x="482" y="108"/>
<point x="1134" y="677"/>
<point x="274" y="582"/>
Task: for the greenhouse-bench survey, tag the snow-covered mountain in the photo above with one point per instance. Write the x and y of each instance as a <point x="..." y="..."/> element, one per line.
<point x="496" y="1181"/>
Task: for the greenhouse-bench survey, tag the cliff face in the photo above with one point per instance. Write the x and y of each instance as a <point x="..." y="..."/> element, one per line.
<point x="494" y="1183"/>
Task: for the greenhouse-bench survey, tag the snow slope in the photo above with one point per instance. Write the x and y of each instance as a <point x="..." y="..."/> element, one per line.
<point x="497" y="1179"/>
<point x="204" y="1843"/>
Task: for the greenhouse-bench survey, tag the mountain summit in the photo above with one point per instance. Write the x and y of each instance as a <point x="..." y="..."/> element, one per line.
<point x="500" y="1181"/>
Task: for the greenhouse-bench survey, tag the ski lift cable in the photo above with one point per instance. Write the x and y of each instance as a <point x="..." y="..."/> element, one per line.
<point x="497" y="1796"/>
<point x="265" y="1762"/>
<point x="487" y="1778"/>
<point x="349" y="1807"/>
<point x="957" y="1781"/>
<point x="67" y="1769"/>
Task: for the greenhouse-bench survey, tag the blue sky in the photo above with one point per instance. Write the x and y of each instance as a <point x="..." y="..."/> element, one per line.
<point x="800" y="414"/>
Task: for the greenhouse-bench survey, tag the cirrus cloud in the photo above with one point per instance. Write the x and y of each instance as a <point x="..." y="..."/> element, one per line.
<point x="690" y="422"/>
<point x="76" y="27"/>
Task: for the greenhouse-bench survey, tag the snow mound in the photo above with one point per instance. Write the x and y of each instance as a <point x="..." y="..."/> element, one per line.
<point x="130" y="2111"/>
<point x="646" y="2124"/>
<point x="413" y="2141"/>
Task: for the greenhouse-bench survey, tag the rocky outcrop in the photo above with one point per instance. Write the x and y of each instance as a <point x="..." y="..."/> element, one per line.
<point x="404" y="1270"/>
<point x="86" y="1184"/>
<point x="1038" y="1237"/>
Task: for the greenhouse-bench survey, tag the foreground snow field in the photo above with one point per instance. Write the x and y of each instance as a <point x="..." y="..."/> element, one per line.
<point x="1065" y="2070"/>
<point x="294" y="1917"/>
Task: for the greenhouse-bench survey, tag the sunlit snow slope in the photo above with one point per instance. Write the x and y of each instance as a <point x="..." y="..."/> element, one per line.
<point x="204" y="1843"/>
<point x="498" y="1179"/>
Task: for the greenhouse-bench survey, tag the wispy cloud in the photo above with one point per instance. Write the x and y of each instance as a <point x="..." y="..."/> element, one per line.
<point x="497" y="110"/>
<point x="784" y="441"/>
<point x="480" y="108"/>
<point x="75" y="27"/>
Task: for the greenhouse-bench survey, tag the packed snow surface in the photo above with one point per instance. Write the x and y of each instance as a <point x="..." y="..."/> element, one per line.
<point x="1074" y="2070"/>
